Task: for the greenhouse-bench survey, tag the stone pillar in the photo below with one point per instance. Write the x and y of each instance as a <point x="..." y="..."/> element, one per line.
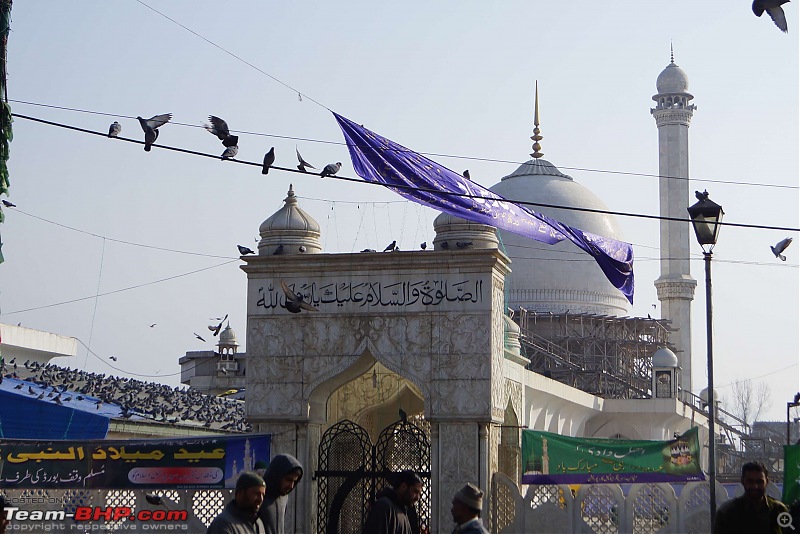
<point x="459" y="462"/>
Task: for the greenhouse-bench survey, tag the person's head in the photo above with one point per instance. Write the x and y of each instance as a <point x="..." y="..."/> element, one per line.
<point x="408" y="487"/>
<point x="249" y="492"/>
<point x="467" y="504"/>
<point x="754" y="479"/>
<point x="282" y="475"/>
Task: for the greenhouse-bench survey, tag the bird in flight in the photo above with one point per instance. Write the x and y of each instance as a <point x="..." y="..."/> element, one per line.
<point x="198" y="337"/>
<point x="774" y="10"/>
<point x="269" y="159"/>
<point x="244" y="251"/>
<point x="152" y="325"/>
<point x="294" y="301"/>
<point x="780" y="247"/>
<point x="303" y="163"/>
<point x="114" y="129"/>
<point x="150" y="127"/>
<point x="112" y="358"/>
<point x="219" y="128"/>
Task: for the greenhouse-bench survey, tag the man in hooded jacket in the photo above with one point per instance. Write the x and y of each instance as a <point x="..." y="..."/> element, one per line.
<point x="282" y="475"/>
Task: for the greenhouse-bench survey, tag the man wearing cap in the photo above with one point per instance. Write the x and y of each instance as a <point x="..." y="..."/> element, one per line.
<point x="466" y="510"/>
<point x="240" y="516"/>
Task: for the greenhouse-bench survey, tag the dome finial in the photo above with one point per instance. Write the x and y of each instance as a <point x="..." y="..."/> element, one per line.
<point x="671" y="53"/>
<point x="536" y="137"/>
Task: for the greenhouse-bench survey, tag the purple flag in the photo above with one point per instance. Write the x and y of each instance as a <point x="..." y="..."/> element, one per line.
<point x="377" y="159"/>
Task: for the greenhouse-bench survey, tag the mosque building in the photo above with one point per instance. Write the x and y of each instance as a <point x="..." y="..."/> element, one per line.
<point x="459" y="348"/>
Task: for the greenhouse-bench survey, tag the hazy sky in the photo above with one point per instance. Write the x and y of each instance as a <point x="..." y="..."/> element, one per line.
<point x="451" y="78"/>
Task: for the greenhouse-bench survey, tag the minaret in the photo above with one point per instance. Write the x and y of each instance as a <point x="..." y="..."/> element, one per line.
<point x="675" y="286"/>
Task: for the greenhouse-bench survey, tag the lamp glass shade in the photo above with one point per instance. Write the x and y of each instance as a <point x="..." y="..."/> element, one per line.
<point x="706" y="216"/>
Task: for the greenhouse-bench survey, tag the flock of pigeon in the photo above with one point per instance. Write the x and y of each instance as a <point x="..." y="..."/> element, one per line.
<point x="149" y="400"/>
<point x="219" y="129"/>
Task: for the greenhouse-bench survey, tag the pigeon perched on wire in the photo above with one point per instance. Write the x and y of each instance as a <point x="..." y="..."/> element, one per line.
<point x="331" y="169"/>
<point x="774" y="10"/>
<point x="391" y="246"/>
<point x="303" y="163"/>
<point x="219" y="128"/>
<point x="230" y="152"/>
<point x="8" y="204"/>
<point x="150" y="127"/>
<point x="780" y="247"/>
<point x="114" y="129"/>
<point x="294" y="301"/>
<point x="269" y="159"/>
<point x="244" y="251"/>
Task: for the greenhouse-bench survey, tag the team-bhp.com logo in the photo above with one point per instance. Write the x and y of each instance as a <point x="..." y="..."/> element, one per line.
<point x="84" y="516"/>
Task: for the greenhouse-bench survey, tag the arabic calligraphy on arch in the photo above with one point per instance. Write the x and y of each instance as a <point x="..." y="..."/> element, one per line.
<point x="406" y="293"/>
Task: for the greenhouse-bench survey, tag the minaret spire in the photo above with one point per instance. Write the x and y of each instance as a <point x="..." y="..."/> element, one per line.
<point x="536" y="137"/>
<point x="671" y="54"/>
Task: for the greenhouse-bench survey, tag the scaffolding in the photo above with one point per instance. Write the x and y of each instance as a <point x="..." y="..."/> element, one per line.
<point x="603" y="355"/>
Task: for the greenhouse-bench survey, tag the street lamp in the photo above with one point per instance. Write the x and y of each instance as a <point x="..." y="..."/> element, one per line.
<point x="706" y="216"/>
<point x="789" y="406"/>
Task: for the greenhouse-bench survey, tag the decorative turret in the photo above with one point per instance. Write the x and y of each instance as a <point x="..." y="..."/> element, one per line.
<point x="290" y="230"/>
<point x="454" y="233"/>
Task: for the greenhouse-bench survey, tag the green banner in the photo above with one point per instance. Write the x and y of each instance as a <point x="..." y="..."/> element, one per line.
<point x="549" y="458"/>
<point x="791" y="473"/>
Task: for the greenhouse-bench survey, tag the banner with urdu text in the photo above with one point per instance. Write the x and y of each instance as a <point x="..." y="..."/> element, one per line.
<point x="549" y="458"/>
<point x="192" y="463"/>
<point x="791" y="473"/>
<point x="415" y="177"/>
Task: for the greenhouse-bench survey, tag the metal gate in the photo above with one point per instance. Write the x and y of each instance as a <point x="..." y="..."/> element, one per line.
<point x="352" y="470"/>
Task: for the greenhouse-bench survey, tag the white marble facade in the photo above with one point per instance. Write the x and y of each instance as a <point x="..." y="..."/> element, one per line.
<point x="436" y="322"/>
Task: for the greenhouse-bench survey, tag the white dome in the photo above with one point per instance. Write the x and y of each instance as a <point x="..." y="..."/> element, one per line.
<point x="227" y="336"/>
<point x="672" y="80"/>
<point x="290" y="230"/>
<point x="561" y="277"/>
<point x="664" y="357"/>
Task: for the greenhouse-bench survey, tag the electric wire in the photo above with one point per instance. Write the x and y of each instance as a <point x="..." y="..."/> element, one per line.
<point x="209" y="41"/>
<point x="413" y="188"/>
<point x="435" y="154"/>
<point x="137" y="286"/>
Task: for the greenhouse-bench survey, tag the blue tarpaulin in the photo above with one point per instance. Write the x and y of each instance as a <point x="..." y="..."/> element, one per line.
<point x="23" y="416"/>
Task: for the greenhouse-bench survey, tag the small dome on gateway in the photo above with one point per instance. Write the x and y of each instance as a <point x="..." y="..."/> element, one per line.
<point x="664" y="357"/>
<point x="290" y="230"/>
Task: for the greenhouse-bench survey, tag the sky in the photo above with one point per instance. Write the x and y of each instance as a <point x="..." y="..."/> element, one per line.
<point x="449" y="78"/>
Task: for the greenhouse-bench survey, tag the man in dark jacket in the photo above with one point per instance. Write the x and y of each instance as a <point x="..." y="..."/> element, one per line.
<point x="240" y="516"/>
<point x="390" y="513"/>
<point x="282" y="475"/>
<point x="754" y="512"/>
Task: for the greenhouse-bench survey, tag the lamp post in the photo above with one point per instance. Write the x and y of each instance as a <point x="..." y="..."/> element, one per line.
<point x="706" y="216"/>
<point x="789" y="406"/>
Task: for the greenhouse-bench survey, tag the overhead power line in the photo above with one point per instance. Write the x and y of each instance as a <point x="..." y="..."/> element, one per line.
<point x="434" y="154"/>
<point x="408" y="187"/>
